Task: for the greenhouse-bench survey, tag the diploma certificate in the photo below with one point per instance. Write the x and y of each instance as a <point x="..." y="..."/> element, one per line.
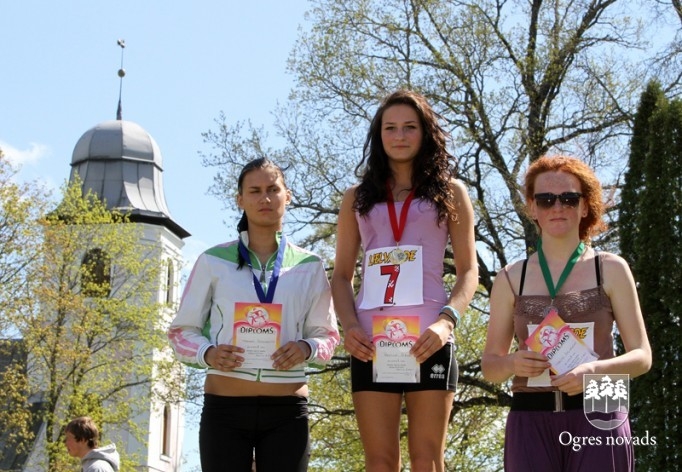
<point x="257" y="328"/>
<point x="556" y="340"/>
<point x="393" y="337"/>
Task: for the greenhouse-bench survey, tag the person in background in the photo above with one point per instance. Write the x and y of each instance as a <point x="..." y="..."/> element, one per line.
<point x="402" y="213"/>
<point x="590" y="291"/>
<point x="81" y="438"/>
<point x="255" y="311"/>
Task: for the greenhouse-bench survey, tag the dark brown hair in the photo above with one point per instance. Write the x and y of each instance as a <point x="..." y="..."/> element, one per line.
<point x="84" y="428"/>
<point x="433" y="167"/>
<point x="260" y="163"/>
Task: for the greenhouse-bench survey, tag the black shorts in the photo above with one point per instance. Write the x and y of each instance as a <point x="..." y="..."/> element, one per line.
<point x="438" y="372"/>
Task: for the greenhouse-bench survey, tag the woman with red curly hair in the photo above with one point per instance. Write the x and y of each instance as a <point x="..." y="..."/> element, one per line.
<point x="590" y="291"/>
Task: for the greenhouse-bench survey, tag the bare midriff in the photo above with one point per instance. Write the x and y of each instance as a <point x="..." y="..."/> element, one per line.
<point x="231" y="387"/>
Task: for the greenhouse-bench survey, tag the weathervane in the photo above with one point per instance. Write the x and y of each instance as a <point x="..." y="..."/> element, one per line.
<point x="121" y="74"/>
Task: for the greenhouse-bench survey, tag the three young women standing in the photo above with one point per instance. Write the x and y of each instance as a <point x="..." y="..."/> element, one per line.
<point x="402" y="213"/>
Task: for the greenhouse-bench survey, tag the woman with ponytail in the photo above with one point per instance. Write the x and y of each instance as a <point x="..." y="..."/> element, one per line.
<point x="255" y="312"/>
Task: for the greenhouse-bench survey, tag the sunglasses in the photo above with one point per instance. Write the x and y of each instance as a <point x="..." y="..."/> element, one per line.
<point x="567" y="199"/>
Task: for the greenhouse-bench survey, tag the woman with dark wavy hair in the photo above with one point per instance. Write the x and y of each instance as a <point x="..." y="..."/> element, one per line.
<point x="400" y="329"/>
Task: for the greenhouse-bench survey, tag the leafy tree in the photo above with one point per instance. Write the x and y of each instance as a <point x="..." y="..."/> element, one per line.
<point x="512" y="81"/>
<point x="332" y="421"/>
<point x="89" y="318"/>
<point x="628" y="226"/>
<point x="651" y="224"/>
<point x="20" y="206"/>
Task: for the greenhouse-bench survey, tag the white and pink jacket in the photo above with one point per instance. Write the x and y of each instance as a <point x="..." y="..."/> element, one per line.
<point x="206" y="314"/>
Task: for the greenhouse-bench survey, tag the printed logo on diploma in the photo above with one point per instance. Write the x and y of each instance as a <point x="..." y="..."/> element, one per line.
<point x="556" y="340"/>
<point x="393" y="337"/>
<point x="257" y="329"/>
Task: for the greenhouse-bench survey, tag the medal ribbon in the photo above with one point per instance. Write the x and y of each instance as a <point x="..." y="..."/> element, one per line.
<point x="272" y="285"/>
<point x="397" y="227"/>
<point x="554" y="289"/>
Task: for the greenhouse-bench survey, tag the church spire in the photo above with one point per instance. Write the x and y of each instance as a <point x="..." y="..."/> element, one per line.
<point x="121" y="74"/>
<point x="122" y="164"/>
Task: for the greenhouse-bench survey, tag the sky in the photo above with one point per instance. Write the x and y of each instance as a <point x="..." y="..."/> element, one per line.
<point x="185" y="62"/>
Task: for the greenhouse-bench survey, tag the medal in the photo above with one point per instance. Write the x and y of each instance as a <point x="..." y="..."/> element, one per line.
<point x="398" y="256"/>
<point x="554" y="289"/>
<point x="549" y="310"/>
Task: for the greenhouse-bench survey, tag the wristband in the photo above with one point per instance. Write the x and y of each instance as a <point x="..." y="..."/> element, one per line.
<point x="450" y="318"/>
<point x="451" y="313"/>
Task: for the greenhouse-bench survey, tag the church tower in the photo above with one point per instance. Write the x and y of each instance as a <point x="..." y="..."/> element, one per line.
<point x="121" y="163"/>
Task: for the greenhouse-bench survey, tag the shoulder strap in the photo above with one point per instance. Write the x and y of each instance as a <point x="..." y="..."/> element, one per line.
<point x="523" y="276"/>
<point x="597" y="271"/>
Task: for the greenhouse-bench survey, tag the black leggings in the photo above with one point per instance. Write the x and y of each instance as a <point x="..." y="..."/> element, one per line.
<point x="232" y="428"/>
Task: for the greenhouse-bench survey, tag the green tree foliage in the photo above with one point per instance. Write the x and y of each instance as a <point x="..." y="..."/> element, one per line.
<point x="652" y="216"/>
<point x="20" y="207"/>
<point x="90" y="321"/>
<point x="332" y="421"/>
<point x="634" y="176"/>
<point x="511" y="80"/>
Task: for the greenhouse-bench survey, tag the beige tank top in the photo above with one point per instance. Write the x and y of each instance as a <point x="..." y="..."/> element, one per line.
<point x="591" y="309"/>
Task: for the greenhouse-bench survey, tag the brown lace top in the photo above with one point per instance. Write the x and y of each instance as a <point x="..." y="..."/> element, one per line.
<point x="586" y="306"/>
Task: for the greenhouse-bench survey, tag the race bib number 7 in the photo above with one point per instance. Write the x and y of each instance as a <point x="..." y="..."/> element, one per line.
<point x="393" y="277"/>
